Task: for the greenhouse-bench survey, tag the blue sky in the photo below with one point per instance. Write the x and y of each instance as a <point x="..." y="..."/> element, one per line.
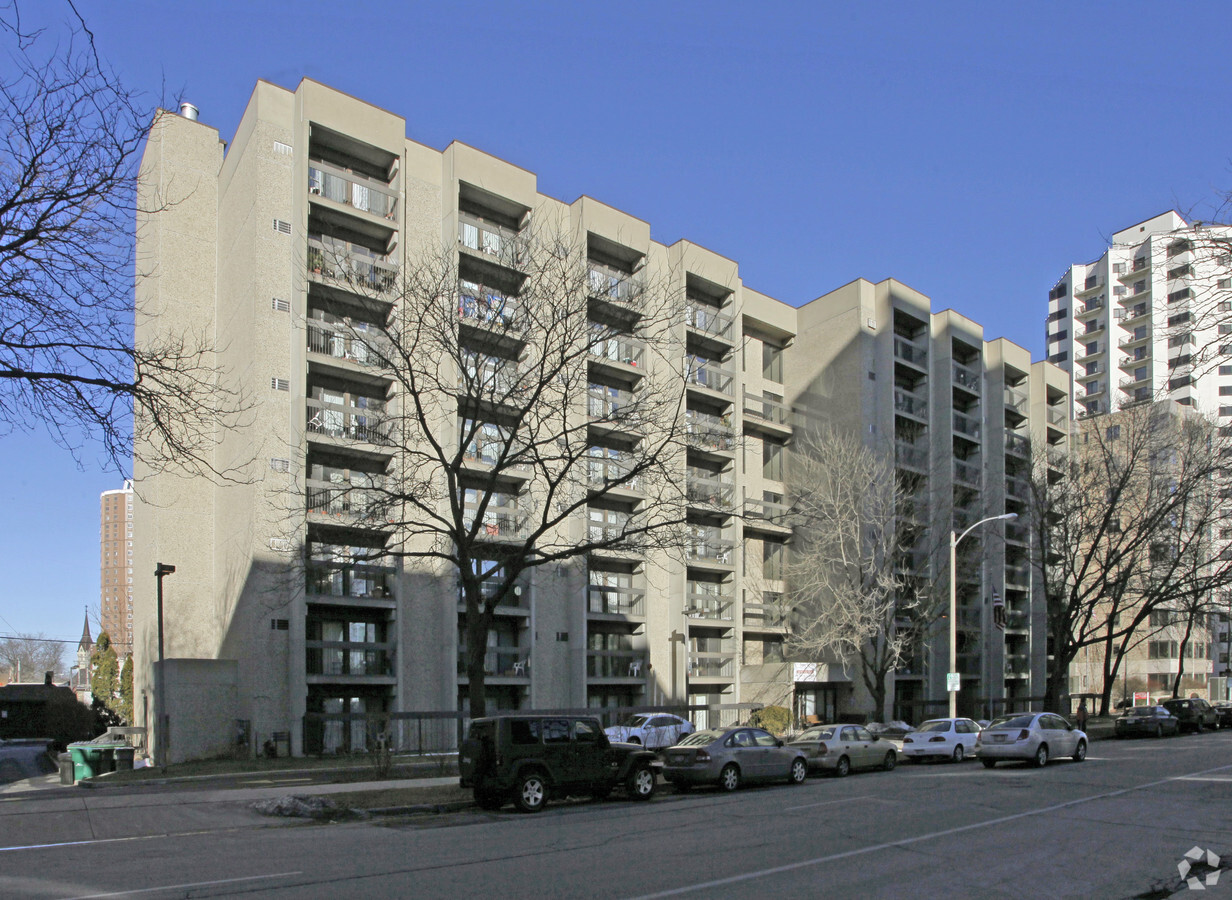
<point x="970" y="150"/>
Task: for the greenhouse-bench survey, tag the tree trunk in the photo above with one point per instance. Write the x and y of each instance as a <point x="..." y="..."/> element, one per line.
<point x="1180" y="664"/>
<point x="478" y="622"/>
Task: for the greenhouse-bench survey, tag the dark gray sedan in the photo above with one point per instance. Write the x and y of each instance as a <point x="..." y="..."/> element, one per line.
<point x="729" y="757"/>
<point x="1150" y="721"/>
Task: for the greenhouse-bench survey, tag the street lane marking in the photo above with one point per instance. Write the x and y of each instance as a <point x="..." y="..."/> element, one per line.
<point x="1224" y="778"/>
<point x="179" y="887"/>
<point x="830" y="802"/>
<point x="891" y="845"/>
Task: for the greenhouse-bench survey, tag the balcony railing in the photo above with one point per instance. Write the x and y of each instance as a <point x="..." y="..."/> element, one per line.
<point x="1018" y="488"/>
<point x="366" y="348"/>
<point x="706" y="374"/>
<point x="767" y="409"/>
<point x="342" y="501"/>
<point x="613" y="285"/>
<point x="1019" y="574"/>
<point x="711" y="666"/>
<point x="1016" y="619"/>
<point x="342" y="580"/>
<point x="707" y="605"/>
<point x="768" y="511"/>
<point x="616" y="664"/>
<point x="511" y="662"/>
<point x="352" y="264"/>
<point x="350" y="189"/>
<point x="1019" y="534"/>
<point x="503" y="245"/>
<point x="616" y="601"/>
<point x="1017" y="400"/>
<point x="703" y="487"/>
<point x="482" y="305"/>
<point x="1056" y="415"/>
<point x="967" y="378"/>
<point x="767" y="615"/>
<point x="610" y="404"/>
<point x="1017" y="444"/>
<point x="911" y="404"/>
<point x="621" y="350"/>
<point x="348" y="658"/>
<point x="911" y="352"/>
<point x="709" y="545"/>
<point x="708" y="431"/>
<point x="967" y="472"/>
<point x="600" y="473"/>
<point x="507" y="525"/>
<point x="968" y="425"/>
<point x="348" y="422"/>
<point x="709" y="321"/>
<point x="911" y="456"/>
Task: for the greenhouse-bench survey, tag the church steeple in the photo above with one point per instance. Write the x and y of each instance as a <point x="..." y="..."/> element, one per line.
<point x="87" y="642"/>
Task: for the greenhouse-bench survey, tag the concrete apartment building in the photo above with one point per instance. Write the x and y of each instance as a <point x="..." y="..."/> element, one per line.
<point x="115" y="538"/>
<point x="255" y="644"/>
<point x="1141" y="322"/>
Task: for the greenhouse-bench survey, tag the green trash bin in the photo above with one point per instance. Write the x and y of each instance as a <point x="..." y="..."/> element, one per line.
<point x="85" y="760"/>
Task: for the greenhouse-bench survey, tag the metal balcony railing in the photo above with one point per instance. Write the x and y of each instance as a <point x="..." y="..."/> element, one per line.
<point x="349" y="189"/>
<point x="909" y="351"/>
<point x="911" y="456"/>
<point x="621" y="350"/>
<point x="500" y="244"/>
<point x="1056" y="415"/>
<point x="768" y="409"/>
<point x="609" y="472"/>
<point x="711" y="666"/>
<point x="367" y="348"/>
<point x="348" y="422"/>
<point x="616" y="601"/>
<point x="710" y="545"/>
<point x="616" y="664"/>
<point x="966" y="377"/>
<point x="708" y="431"/>
<point x="351" y="264"/>
<point x="709" y="321"/>
<point x="911" y="404"/>
<point x="613" y="285"/>
<point x="768" y="511"/>
<point x="703" y="487"/>
<point x="767" y="615"/>
<point x="968" y="425"/>
<point x="348" y="658"/>
<point x="709" y="375"/>
<point x="1018" y="444"/>
<point x="487" y="307"/>
<point x="498" y="525"/>
<point x="508" y="662"/>
<point x="967" y="472"/>
<point x="342" y="580"/>
<point x="708" y="606"/>
<point x="609" y="403"/>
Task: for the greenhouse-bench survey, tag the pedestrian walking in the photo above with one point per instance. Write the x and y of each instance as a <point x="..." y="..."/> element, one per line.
<point x="1081" y="715"/>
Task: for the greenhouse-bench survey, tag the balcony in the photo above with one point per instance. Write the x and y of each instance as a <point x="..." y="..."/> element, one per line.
<point x="610" y="404"/>
<point x="348" y="189"/>
<point x="363" y="347"/>
<point x="1017" y="534"/>
<point x="609" y="473"/>
<point x="705" y="488"/>
<point x="1018" y="575"/>
<point x="348" y="423"/>
<point x="706" y="605"/>
<point x="1091" y="307"/>
<point x="707" y="374"/>
<point x="488" y="241"/>
<point x="1017" y="400"/>
<point x="911" y="456"/>
<point x="966" y="378"/>
<point x="707" y="321"/>
<point x="968" y="473"/>
<point x="516" y="601"/>
<point x="348" y="659"/>
<point x="1018" y="488"/>
<point x="326" y="582"/>
<point x="1056" y="415"/>
<point x="707" y="431"/>
<point x="1133" y="382"/>
<point x="910" y="352"/>
<point x="498" y="523"/>
<point x="774" y="616"/>
<point x="910" y="404"/>
<point x="486" y="307"/>
<point x="343" y="502"/>
<point x="1017" y="665"/>
<point x="612" y="601"/>
<point x="617" y="664"/>
<point x="967" y="425"/>
<point x="1017" y="620"/>
<point x="1017" y="444"/>
<point x="623" y="353"/>
<point x="761" y="513"/>
<point x="352" y="266"/>
<point x="507" y="662"/>
<point x="1092" y="283"/>
<point x="1100" y="350"/>
<point x="711" y="665"/>
<point x="709" y="546"/>
<point x="767" y="412"/>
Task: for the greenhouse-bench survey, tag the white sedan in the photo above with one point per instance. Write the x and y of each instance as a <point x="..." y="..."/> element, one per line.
<point x="654" y="731"/>
<point x="942" y="739"/>
<point x="1035" y="737"/>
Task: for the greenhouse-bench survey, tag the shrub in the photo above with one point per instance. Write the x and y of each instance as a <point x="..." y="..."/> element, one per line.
<point x="775" y="719"/>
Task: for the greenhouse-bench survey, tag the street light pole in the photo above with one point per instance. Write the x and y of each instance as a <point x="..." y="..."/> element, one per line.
<point x="160" y="571"/>
<point x="955" y="539"/>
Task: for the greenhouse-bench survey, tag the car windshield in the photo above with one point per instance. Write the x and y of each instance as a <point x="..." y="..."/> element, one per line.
<point x="936" y="725"/>
<point x="1012" y="722"/>
<point x="634" y="721"/>
<point x="1177" y="704"/>
<point x="817" y="734"/>
<point x="701" y="738"/>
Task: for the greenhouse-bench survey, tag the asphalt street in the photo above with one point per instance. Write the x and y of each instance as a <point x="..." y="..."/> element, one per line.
<point x="1116" y="825"/>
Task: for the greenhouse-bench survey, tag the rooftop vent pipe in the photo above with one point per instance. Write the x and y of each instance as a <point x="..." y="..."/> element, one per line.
<point x="188" y="111"/>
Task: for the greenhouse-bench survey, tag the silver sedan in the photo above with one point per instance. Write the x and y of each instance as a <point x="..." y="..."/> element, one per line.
<point x="1034" y="737"/>
<point x="843" y="747"/>
<point x="729" y="757"/>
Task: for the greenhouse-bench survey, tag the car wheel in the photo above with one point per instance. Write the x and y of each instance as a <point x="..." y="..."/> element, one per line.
<point x="489" y="800"/>
<point x="890" y="761"/>
<point x="1080" y="752"/>
<point x="988" y="763"/>
<point x="799" y="771"/>
<point x="843" y="768"/>
<point x="635" y="740"/>
<point x="1041" y="756"/>
<point x="641" y="783"/>
<point x="959" y="753"/>
<point x="532" y="793"/>
<point x="729" y="778"/>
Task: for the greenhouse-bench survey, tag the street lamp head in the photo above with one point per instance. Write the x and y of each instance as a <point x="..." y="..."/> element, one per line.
<point x="163" y="569"/>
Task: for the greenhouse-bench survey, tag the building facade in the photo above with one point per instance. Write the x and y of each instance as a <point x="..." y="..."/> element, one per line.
<point x="115" y="526"/>
<point x="284" y="249"/>
<point x="1149" y="319"/>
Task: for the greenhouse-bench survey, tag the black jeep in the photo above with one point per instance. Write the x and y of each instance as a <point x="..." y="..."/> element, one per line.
<point x="526" y="758"/>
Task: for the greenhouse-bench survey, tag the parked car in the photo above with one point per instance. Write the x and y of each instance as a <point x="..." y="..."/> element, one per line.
<point x="842" y="747"/>
<point x="1194" y="713"/>
<point x="1151" y="721"/>
<point x="1223" y="709"/>
<point x="1035" y="737"/>
<point x="653" y="731"/>
<point x="941" y="739"/>
<point x="729" y="757"/>
<point x="528" y="759"/>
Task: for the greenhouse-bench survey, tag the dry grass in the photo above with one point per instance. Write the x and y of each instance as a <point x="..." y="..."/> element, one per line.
<point x="399" y="797"/>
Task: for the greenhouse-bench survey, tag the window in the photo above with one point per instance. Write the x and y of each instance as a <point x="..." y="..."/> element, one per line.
<point x="772" y="461"/>
<point x="771" y="362"/>
<point x="1113" y="432"/>
<point x="1183" y="294"/>
<point x="1179" y="319"/>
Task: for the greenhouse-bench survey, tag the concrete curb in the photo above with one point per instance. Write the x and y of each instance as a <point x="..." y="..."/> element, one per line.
<point x="421" y="809"/>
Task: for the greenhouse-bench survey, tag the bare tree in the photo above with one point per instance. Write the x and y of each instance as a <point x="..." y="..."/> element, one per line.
<point x="532" y="403"/>
<point x="68" y="364"/>
<point x="1131" y="524"/>
<point x="28" y="656"/>
<point x="851" y="601"/>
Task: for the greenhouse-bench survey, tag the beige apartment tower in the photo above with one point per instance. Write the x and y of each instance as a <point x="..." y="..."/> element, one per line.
<point x="273" y="611"/>
<point x="115" y="538"/>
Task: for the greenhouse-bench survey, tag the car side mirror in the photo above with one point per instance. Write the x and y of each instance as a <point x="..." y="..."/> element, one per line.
<point x="876" y="738"/>
<point x="778" y="743"/>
